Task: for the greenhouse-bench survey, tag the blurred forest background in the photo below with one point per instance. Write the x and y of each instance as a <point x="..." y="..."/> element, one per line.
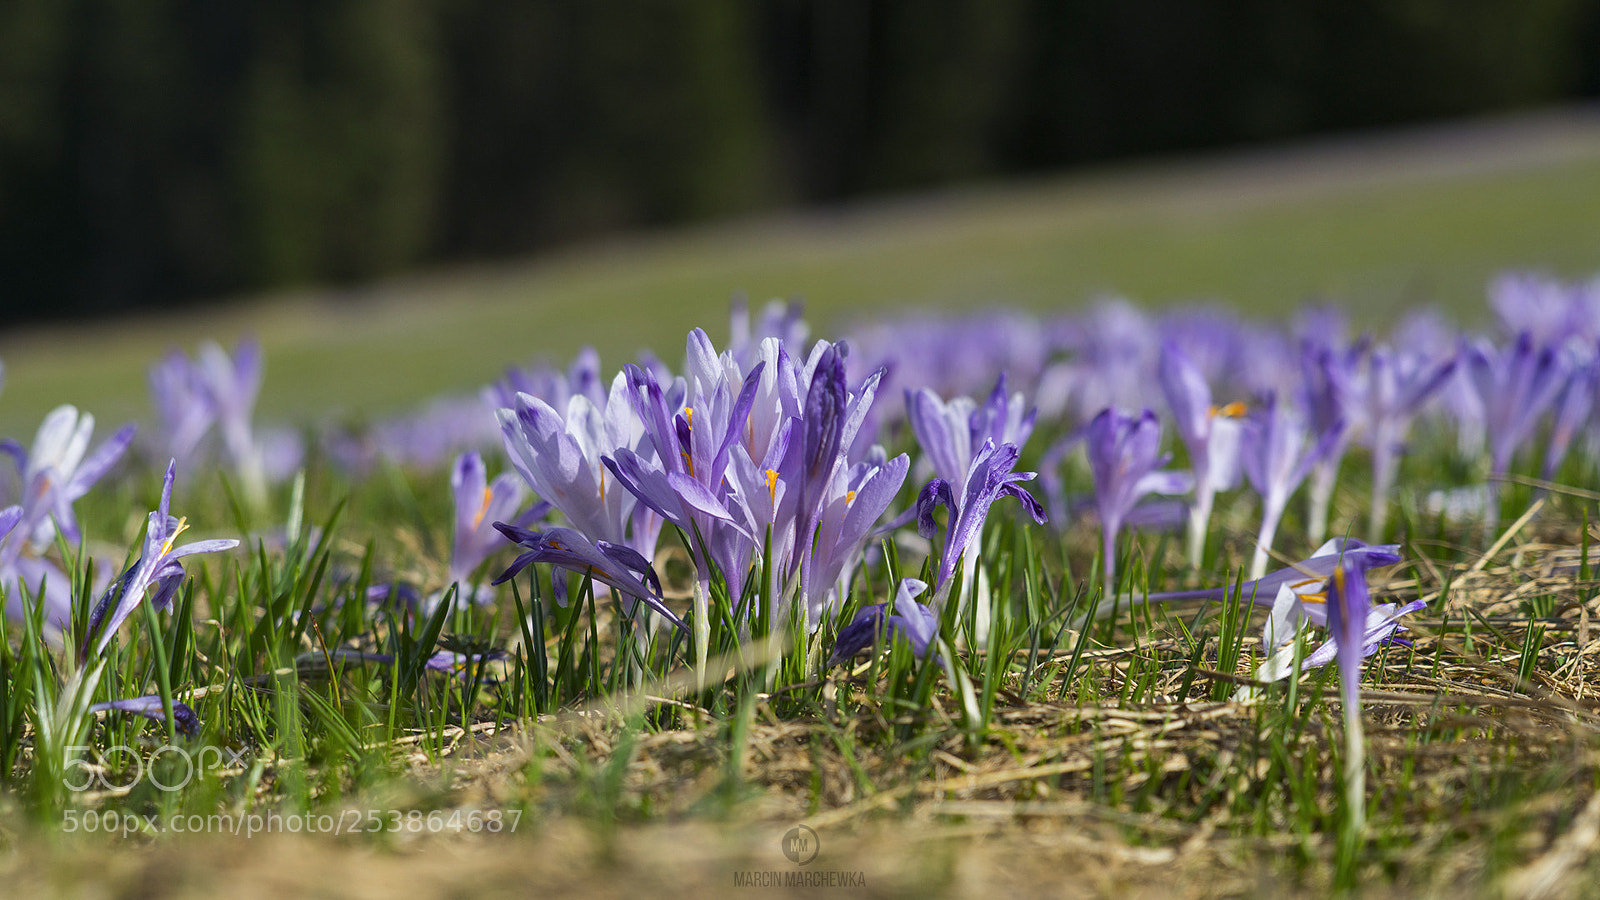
<point x="159" y="151"/>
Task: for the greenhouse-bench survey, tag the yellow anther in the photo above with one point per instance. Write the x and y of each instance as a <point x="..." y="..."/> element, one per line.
<point x="772" y="486"/>
<point x="1232" y="410"/>
<point x="483" y="509"/>
<point x="849" y="497"/>
<point x="688" y="416"/>
<point x="183" y="525"/>
<point x="602" y="485"/>
<point x="1314" y="598"/>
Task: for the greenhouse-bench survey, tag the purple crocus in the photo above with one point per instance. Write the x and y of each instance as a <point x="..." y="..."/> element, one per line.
<point x="616" y="565"/>
<point x="950" y="434"/>
<point x="479" y="504"/>
<point x="1124" y="457"/>
<point x="58" y="469"/>
<point x="918" y="623"/>
<point x="1514" y="385"/>
<point x="1210" y="433"/>
<point x="1278" y="453"/>
<point x="33" y="576"/>
<point x="1398" y="384"/>
<point x="1330" y="391"/>
<point x="990" y="477"/>
<point x="185" y="410"/>
<point x="1310" y="572"/>
<point x="221" y="390"/>
<point x="157" y="567"/>
<point x="1574" y="411"/>
<point x="953" y="436"/>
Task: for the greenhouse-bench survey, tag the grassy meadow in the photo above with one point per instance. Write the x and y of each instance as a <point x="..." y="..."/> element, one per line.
<point x="1069" y="745"/>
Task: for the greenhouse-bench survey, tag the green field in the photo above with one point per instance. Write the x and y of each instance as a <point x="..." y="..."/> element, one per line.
<point x="1075" y="742"/>
<point x="1377" y="223"/>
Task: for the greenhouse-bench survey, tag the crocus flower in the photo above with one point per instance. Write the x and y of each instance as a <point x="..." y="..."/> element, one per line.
<point x="1277" y="455"/>
<point x="1306" y="574"/>
<point x="157" y="567"/>
<point x="1515" y="385"/>
<point x="58" y="469"/>
<point x="34" y="576"/>
<point x="918" y="623"/>
<point x="479" y="504"/>
<point x="184" y="407"/>
<point x="1330" y="391"/>
<point x="990" y="477"/>
<point x="951" y="433"/>
<point x="1573" y="412"/>
<point x="607" y="563"/>
<point x="1124" y="456"/>
<point x="1348" y="606"/>
<point x="1210" y="433"/>
<point x="1398" y="384"/>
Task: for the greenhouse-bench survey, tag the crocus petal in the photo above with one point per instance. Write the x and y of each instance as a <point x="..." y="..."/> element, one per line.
<point x="186" y="720"/>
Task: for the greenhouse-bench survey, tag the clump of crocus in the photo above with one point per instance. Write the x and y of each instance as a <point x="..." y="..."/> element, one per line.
<point x="1125" y="459"/>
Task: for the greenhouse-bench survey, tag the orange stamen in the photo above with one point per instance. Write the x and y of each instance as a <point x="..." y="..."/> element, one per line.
<point x="483" y="509"/>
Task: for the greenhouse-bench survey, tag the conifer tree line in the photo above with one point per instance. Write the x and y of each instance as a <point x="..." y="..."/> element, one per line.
<point x="158" y="151"/>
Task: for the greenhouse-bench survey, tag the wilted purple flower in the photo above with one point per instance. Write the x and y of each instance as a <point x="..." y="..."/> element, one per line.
<point x="1277" y="453"/>
<point x="156" y="567"/>
<point x="1124" y="455"/>
<point x="186" y="720"/>
<point x="1211" y="434"/>
<point x="55" y="472"/>
<point x="607" y="563"/>
<point x="918" y="623"/>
